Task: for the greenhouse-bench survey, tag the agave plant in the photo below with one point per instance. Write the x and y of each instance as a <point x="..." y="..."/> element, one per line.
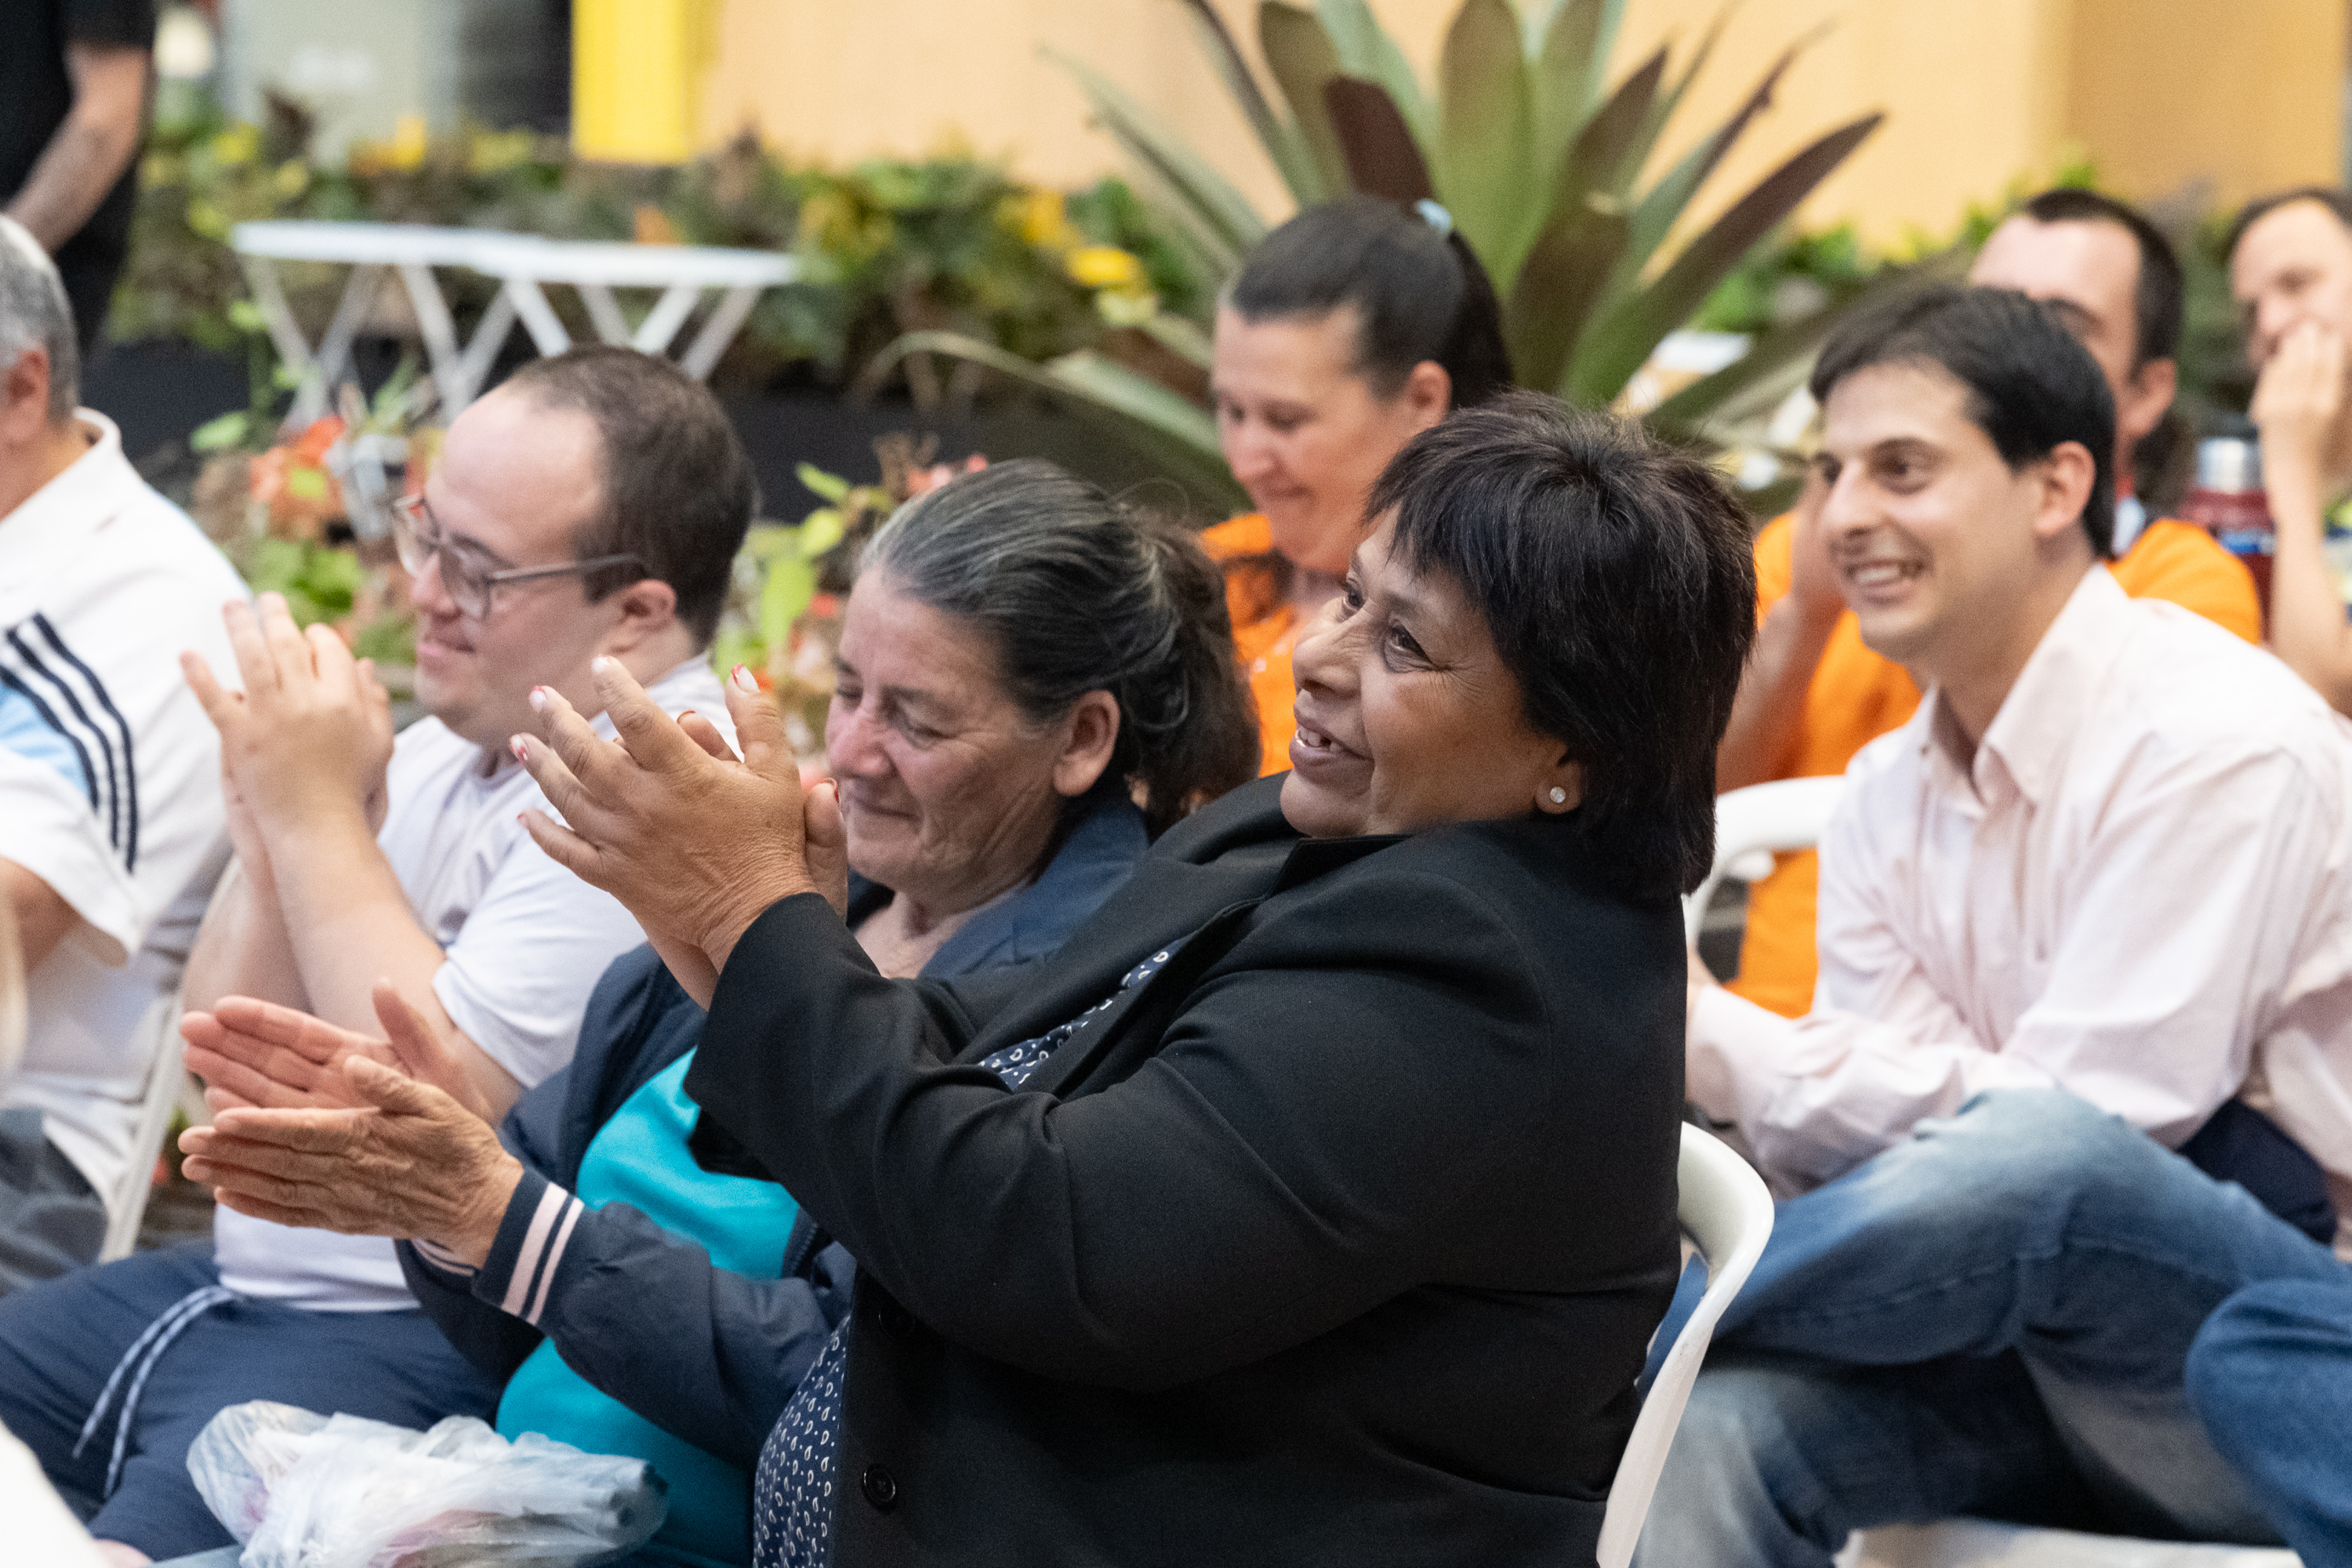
<point x="1537" y="158"/>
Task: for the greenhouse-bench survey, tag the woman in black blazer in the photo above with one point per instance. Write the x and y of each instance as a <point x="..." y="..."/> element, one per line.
<point x="1317" y="1201"/>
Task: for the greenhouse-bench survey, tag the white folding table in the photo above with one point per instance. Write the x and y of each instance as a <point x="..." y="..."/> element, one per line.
<point x="525" y="265"/>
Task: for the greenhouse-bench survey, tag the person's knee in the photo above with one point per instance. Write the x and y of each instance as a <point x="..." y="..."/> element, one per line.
<point x="2254" y="1337"/>
<point x="2022" y="1151"/>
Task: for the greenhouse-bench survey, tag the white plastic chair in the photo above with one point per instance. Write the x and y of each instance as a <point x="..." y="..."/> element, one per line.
<point x="1977" y="1543"/>
<point x="127" y="1207"/>
<point x="1752" y="825"/>
<point x="1727" y="1215"/>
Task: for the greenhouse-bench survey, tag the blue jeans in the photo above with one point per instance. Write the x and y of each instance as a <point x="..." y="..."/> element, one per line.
<point x="1990" y="1318"/>
<point x="61" y="1339"/>
<point x="2271" y="1376"/>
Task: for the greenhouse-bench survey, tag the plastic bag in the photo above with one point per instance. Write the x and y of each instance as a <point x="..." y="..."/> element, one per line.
<point x="305" y="1490"/>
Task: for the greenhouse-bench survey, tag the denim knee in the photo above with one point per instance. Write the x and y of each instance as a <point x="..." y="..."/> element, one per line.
<point x="2232" y="1362"/>
<point x="2015" y="1150"/>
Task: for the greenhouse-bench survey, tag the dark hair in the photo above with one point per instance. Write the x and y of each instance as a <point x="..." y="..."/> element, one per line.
<point x="1419" y="294"/>
<point x="1616" y="577"/>
<point x="1080" y="592"/>
<point x="2160" y="294"/>
<point x="2030" y="384"/>
<point x="678" y="491"/>
<point x="2336" y="201"/>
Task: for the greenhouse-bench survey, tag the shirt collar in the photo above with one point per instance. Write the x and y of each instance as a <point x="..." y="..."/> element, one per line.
<point x="81" y="499"/>
<point x="2052" y="698"/>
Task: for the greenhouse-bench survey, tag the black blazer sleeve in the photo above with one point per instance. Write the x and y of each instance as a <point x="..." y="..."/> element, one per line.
<point x="1333" y="1104"/>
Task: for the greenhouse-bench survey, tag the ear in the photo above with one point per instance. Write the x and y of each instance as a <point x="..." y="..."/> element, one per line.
<point x="647" y="607"/>
<point x="2065" y="477"/>
<point x="1559" y="789"/>
<point x="24" y="397"/>
<point x="2151" y="392"/>
<point x="1427" y="394"/>
<point x="1088" y="736"/>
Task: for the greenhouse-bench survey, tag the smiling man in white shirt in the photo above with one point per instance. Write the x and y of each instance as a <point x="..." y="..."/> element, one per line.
<point x="2092" y="904"/>
<point x="590" y="508"/>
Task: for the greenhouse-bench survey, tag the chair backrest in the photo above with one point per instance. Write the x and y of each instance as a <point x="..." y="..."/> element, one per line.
<point x="1727" y="1213"/>
<point x="127" y="1206"/>
<point x="1775" y="818"/>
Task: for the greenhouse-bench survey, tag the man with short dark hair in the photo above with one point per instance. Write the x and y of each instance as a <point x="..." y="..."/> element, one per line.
<point x="587" y="511"/>
<point x="2291" y="273"/>
<point x="1814" y="694"/>
<point x="2092" y="904"/>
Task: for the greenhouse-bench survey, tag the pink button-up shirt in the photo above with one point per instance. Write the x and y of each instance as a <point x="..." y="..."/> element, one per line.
<point x="2139" y="889"/>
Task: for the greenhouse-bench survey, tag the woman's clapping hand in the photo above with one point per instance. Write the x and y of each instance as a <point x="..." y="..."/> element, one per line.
<point x="405" y="1160"/>
<point x="693" y="841"/>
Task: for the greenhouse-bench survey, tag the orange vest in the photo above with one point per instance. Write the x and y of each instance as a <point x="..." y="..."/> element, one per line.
<point x="1856" y="696"/>
<point x="1265" y="628"/>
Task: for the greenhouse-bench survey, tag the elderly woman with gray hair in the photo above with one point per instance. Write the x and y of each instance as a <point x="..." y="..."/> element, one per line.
<point x="1034" y="682"/>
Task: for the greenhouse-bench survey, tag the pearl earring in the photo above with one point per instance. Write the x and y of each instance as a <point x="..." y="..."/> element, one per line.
<point x="1558" y="795"/>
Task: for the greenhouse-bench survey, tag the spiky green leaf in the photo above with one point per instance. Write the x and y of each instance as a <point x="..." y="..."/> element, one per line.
<point x="1283" y="143"/>
<point x="1367" y="50"/>
<point x="1299" y="53"/>
<point x="1558" y="286"/>
<point x="1222" y="215"/>
<point x="1570" y="66"/>
<point x="1483" y="174"/>
<point x="1617" y="346"/>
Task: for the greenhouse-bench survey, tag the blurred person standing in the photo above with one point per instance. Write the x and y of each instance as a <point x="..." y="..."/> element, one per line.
<point x="74" y="78"/>
<point x="111" y="811"/>
<point x="2291" y="274"/>
<point x="1815" y="695"/>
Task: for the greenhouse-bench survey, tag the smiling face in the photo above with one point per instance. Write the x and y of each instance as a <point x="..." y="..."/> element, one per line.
<point x="1953" y="563"/>
<point x="2294" y="264"/>
<point x="515" y="481"/>
<point x="949" y="793"/>
<point x="1305" y="432"/>
<point x="2088" y="272"/>
<point x="1408" y="718"/>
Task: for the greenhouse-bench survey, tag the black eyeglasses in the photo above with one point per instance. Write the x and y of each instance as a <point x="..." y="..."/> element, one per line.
<point x="418" y="537"/>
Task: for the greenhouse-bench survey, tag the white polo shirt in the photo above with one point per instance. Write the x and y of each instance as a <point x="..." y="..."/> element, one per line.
<point x="109" y="778"/>
<point x="525" y="939"/>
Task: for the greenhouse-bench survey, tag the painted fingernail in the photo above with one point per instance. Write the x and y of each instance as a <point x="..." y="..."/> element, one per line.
<point x="745" y="682"/>
<point x="600" y="665"/>
<point x="522" y="752"/>
<point x="539" y="698"/>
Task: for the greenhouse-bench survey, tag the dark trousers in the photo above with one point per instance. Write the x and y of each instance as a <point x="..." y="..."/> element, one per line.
<point x="61" y="1340"/>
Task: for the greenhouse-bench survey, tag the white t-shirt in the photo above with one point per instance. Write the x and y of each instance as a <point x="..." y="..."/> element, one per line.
<point x="527" y="942"/>
<point x="109" y="779"/>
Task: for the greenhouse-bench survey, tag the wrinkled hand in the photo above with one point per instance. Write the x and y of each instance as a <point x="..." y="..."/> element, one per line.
<point x="695" y="844"/>
<point x="311" y="732"/>
<point x="410" y="1163"/>
<point x="2299" y="399"/>
<point x="260" y="1054"/>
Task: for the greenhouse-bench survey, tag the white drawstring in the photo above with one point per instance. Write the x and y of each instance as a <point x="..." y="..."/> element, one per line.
<point x="145" y="1351"/>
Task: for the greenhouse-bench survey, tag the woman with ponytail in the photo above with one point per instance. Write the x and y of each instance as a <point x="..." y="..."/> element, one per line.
<point x="1352" y="328"/>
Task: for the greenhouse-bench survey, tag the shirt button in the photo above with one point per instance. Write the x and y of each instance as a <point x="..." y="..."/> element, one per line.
<point x="881" y="1488"/>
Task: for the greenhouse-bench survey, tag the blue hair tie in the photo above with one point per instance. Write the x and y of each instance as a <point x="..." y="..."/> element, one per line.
<point x="1435" y="217"/>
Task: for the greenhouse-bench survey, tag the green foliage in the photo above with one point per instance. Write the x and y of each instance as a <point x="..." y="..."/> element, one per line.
<point x="951" y="242"/>
<point x="321" y="582"/>
<point x="1520" y="109"/>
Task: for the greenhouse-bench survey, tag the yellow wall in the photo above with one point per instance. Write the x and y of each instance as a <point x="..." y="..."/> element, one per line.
<point x="1979" y="92"/>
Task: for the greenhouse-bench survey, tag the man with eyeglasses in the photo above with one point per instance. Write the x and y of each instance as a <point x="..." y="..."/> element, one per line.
<point x="590" y="508"/>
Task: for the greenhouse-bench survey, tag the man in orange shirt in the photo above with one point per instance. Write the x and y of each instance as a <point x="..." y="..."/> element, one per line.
<point x="1813" y="695"/>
